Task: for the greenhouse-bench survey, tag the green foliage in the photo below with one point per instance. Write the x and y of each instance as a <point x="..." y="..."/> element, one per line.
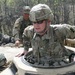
<point x="59" y="7"/>
<point x="10" y="3"/>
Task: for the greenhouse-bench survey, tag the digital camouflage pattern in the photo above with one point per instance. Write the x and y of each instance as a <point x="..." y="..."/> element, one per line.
<point x="5" y="39"/>
<point x="50" y="45"/>
<point x="26" y="9"/>
<point x="3" y="60"/>
<point x="41" y="12"/>
<point x="19" y="26"/>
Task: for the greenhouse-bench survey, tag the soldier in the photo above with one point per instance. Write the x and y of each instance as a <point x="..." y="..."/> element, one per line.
<point x="46" y="39"/>
<point x="3" y="60"/>
<point x="20" y="24"/>
<point x="6" y="39"/>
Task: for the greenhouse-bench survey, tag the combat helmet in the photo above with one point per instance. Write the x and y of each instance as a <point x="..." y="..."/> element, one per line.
<point x="40" y="12"/>
<point x="3" y="60"/>
<point x="26" y="9"/>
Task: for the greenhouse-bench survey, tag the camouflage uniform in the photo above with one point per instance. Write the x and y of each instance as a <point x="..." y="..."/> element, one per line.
<point x="3" y="60"/>
<point x="19" y="26"/>
<point x="6" y="39"/>
<point x="51" y="44"/>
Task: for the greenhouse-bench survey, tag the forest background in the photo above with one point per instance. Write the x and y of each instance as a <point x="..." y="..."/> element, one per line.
<point x="10" y="10"/>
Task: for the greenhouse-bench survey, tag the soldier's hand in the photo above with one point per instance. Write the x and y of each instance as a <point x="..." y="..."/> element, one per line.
<point x="21" y="54"/>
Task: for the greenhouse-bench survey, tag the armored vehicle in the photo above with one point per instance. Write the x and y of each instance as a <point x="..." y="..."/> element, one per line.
<point x="25" y="65"/>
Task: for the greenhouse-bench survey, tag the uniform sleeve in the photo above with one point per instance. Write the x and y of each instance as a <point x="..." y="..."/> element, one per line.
<point x="65" y="31"/>
<point x="27" y="37"/>
<point x="16" y="29"/>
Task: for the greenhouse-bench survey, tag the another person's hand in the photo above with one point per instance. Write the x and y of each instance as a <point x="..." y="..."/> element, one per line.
<point x="21" y="54"/>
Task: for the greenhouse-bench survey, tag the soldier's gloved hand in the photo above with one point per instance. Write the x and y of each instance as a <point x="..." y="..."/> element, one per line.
<point x="21" y="54"/>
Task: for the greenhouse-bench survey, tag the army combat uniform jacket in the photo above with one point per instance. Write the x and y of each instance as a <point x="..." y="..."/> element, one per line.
<point x="51" y="44"/>
<point x="19" y="26"/>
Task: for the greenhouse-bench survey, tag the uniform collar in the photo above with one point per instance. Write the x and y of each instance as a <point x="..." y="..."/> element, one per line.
<point x="46" y="36"/>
